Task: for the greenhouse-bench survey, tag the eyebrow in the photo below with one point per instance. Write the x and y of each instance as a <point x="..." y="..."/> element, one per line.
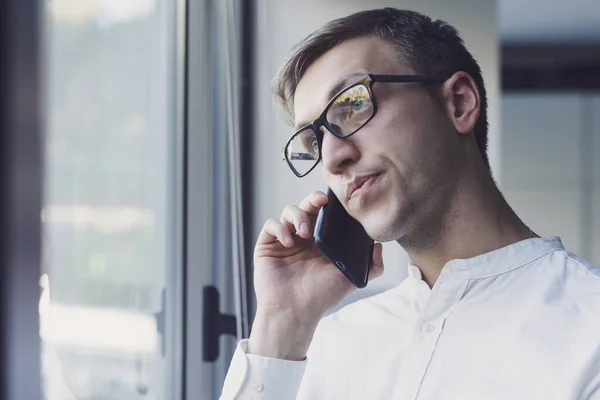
<point x="341" y="83"/>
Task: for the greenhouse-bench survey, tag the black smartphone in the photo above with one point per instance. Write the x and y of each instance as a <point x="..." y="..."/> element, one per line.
<point x="344" y="241"/>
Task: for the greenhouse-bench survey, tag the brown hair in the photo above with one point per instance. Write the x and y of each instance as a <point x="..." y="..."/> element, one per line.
<point x="429" y="47"/>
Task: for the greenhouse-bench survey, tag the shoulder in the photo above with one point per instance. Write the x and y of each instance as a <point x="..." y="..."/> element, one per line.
<point x="564" y="285"/>
<point x="579" y="266"/>
<point x="575" y="275"/>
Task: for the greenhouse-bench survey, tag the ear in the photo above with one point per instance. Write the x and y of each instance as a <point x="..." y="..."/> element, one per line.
<point x="463" y="102"/>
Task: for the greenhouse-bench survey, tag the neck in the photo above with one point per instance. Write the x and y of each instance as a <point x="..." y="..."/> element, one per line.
<point x="475" y="221"/>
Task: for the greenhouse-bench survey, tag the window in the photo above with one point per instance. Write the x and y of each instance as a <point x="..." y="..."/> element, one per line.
<point x="110" y="199"/>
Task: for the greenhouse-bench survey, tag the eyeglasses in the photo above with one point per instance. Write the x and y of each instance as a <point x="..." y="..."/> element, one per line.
<point x="348" y="111"/>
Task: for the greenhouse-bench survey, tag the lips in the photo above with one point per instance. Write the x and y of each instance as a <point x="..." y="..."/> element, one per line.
<point x="356" y="184"/>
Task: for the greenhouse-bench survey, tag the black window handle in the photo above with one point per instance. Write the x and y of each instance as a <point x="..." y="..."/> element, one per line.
<point x="215" y="324"/>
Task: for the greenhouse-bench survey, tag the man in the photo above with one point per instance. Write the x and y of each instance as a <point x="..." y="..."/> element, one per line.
<point x="393" y="108"/>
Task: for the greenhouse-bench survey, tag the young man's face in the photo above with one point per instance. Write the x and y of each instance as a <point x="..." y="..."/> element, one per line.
<point x="408" y="150"/>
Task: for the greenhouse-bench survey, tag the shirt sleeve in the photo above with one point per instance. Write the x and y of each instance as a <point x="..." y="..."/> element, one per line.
<point x="253" y="377"/>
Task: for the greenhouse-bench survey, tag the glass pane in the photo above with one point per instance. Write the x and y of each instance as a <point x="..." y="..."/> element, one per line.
<point x="350" y="110"/>
<point x="303" y="151"/>
<point x="106" y="217"/>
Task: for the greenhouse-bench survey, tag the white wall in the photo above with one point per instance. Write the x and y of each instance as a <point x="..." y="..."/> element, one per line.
<point x="548" y="21"/>
<point x="551" y="168"/>
<point x="281" y="24"/>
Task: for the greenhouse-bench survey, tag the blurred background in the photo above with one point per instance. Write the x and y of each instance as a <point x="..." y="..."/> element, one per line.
<point x="142" y="154"/>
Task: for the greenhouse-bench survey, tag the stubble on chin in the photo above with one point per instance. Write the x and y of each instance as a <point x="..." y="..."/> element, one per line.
<point x="423" y="231"/>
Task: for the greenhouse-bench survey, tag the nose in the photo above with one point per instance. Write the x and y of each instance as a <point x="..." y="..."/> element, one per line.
<point x="337" y="153"/>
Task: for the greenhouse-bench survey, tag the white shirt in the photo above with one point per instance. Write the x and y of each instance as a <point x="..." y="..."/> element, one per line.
<point x="521" y="322"/>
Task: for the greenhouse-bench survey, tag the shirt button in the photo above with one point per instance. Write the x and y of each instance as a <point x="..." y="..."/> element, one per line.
<point x="258" y="387"/>
<point x="428" y="327"/>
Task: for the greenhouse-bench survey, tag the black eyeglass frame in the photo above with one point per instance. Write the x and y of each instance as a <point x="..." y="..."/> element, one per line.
<point x="368" y="81"/>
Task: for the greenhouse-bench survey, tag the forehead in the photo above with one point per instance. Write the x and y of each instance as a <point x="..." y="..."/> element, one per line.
<point x="338" y="67"/>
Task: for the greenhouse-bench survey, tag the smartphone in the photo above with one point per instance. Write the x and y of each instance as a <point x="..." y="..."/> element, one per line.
<point x="344" y="241"/>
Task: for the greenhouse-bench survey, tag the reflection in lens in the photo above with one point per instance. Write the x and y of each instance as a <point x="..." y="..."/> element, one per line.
<point x="350" y="110"/>
<point x="303" y="151"/>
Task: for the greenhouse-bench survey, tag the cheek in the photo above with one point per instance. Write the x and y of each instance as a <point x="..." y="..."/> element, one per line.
<point x="332" y="183"/>
<point x="409" y="141"/>
<point x="397" y="137"/>
<point x="416" y="125"/>
<point x="326" y="176"/>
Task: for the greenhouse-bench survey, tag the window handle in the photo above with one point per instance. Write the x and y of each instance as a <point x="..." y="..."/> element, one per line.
<point x="215" y="324"/>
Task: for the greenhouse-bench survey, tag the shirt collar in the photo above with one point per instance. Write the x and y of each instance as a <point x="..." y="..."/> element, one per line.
<point x="495" y="262"/>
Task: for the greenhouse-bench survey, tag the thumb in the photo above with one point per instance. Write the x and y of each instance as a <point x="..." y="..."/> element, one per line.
<point x="377" y="268"/>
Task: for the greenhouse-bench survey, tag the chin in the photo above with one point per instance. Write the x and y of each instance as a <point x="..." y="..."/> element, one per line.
<point x="382" y="228"/>
<point x="387" y="222"/>
<point x="382" y="234"/>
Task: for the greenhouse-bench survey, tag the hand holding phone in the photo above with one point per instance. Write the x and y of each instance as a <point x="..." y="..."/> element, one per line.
<point x="344" y="241"/>
<point x="295" y="283"/>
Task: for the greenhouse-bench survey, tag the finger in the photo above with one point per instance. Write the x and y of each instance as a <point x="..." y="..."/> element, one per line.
<point x="288" y="222"/>
<point x="377" y="267"/>
<point x="312" y="203"/>
<point x="273" y="231"/>
<point x="297" y="221"/>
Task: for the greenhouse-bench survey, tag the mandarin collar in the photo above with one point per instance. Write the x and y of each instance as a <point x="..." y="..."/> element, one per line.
<point x="495" y="262"/>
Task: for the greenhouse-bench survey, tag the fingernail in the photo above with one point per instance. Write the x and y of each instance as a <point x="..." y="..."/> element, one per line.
<point x="304" y="227"/>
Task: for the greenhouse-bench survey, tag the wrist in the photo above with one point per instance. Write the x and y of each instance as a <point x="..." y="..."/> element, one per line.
<point x="281" y="335"/>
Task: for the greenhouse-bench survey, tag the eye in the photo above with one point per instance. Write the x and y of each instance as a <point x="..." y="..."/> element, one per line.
<point x="359" y="105"/>
<point x="315" y="145"/>
<point x="309" y="144"/>
<point x="349" y="110"/>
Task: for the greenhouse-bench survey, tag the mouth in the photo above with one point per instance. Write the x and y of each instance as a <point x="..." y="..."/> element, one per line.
<point x="358" y="185"/>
